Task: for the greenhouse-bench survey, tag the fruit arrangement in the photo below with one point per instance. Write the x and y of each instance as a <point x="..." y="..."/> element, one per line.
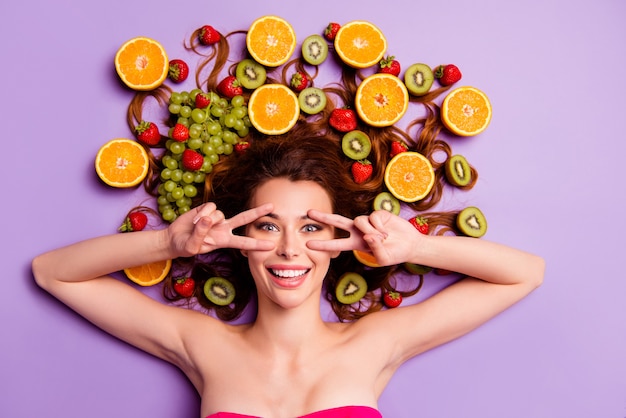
<point x="219" y="117"/>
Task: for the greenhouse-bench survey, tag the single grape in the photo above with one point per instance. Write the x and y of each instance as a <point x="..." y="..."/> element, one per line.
<point x="213" y="158"/>
<point x="184" y="209"/>
<point x="229" y="137"/>
<point x="237" y="101"/>
<point x="166" y="174"/>
<point x="185" y="111"/>
<point x="216" y="141"/>
<point x="177" y="193"/>
<point x="177" y="175"/>
<point x="176" y="98"/>
<point x="188" y="177"/>
<point x="239" y="125"/>
<point x="243" y="131"/>
<point x="207" y="165"/>
<point x="199" y="177"/>
<point x="177" y="148"/>
<point x="169" y="185"/>
<point x="198" y="115"/>
<point x="190" y="190"/>
<point x="228" y="149"/>
<point x="194" y="143"/>
<point x="208" y="149"/>
<point x="213" y="128"/>
<point x="162" y="200"/>
<point x="169" y="215"/>
<point x="174" y="108"/>
<point x="229" y="120"/>
<point x="217" y="111"/>
<point x="239" y="112"/>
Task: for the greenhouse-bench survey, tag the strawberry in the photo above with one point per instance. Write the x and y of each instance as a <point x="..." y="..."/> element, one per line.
<point x="397" y="147"/>
<point x="343" y="120"/>
<point x="241" y="147"/>
<point x="229" y="87"/>
<point x="207" y="35"/>
<point x="180" y="133"/>
<point x="421" y="224"/>
<point x="202" y="100"/>
<point x="389" y="65"/>
<point x="179" y="71"/>
<point x="361" y="171"/>
<point x="148" y="133"/>
<point x="184" y="286"/>
<point x="135" y="221"/>
<point x="392" y="299"/>
<point x="299" y="81"/>
<point x="192" y="160"/>
<point x="331" y="31"/>
<point x="447" y="74"/>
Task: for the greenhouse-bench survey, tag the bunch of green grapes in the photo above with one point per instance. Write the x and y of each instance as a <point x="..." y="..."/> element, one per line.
<point x="213" y="131"/>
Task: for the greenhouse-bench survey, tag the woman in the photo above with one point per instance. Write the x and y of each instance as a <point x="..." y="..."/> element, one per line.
<point x="287" y="211"/>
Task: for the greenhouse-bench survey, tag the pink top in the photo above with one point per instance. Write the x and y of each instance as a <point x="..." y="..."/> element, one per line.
<point x="341" y="412"/>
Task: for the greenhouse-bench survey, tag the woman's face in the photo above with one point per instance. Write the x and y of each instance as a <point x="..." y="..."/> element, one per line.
<point x="291" y="273"/>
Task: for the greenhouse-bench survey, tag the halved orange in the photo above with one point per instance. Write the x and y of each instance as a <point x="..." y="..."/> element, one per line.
<point x="466" y="111"/>
<point x="360" y="44"/>
<point x="149" y="274"/>
<point x="365" y="258"/>
<point x="122" y="162"/>
<point x="381" y="99"/>
<point x="409" y="176"/>
<point x="273" y="109"/>
<point x="142" y="63"/>
<point x="271" y="40"/>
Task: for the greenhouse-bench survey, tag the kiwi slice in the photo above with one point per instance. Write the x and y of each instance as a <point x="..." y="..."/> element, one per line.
<point x="472" y="222"/>
<point x="356" y="145"/>
<point x="314" y="49"/>
<point x="219" y="291"/>
<point x="387" y="201"/>
<point x="312" y="100"/>
<point x="418" y="79"/>
<point x="351" y="288"/>
<point x="458" y="171"/>
<point x="417" y="268"/>
<point x="250" y="74"/>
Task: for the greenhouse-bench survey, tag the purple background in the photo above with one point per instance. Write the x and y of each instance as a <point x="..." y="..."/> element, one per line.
<point x="549" y="166"/>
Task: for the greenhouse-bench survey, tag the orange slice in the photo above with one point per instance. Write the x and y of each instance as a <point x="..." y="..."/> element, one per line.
<point x="409" y="176"/>
<point x="122" y="162"/>
<point x="149" y="274"/>
<point x="273" y="109"/>
<point x="365" y="258"/>
<point x="271" y="40"/>
<point x="381" y="100"/>
<point x="466" y="111"/>
<point x="142" y="63"/>
<point x="360" y="44"/>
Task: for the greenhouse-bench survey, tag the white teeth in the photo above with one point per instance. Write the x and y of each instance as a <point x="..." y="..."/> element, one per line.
<point x="288" y="273"/>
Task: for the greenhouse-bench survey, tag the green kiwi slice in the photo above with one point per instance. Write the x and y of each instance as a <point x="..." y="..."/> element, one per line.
<point x="356" y="145"/>
<point x="458" y="171"/>
<point x="387" y="201"/>
<point x="418" y="79"/>
<point x="314" y="49"/>
<point x="472" y="222"/>
<point x="417" y="268"/>
<point x="312" y="100"/>
<point x="351" y="288"/>
<point x="219" y="291"/>
<point x="250" y="74"/>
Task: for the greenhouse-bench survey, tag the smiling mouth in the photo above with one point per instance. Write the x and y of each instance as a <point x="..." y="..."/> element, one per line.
<point x="289" y="274"/>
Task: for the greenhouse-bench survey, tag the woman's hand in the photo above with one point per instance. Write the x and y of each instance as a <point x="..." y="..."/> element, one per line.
<point x="205" y="229"/>
<point x="391" y="239"/>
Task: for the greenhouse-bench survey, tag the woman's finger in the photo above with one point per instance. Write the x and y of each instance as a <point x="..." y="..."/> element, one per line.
<point x="250" y="215"/>
<point x="337" y="221"/>
<point x="204" y="210"/>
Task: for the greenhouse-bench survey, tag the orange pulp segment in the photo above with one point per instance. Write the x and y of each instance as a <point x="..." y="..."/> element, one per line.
<point x="149" y="274"/>
<point x="360" y="44"/>
<point x="466" y="111"/>
<point x="122" y="162"/>
<point x="271" y="40"/>
<point x="365" y="258"/>
<point x="409" y="176"/>
<point x="381" y="99"/>
<point x="142" y="63"/>
<point x="273" y="109"/>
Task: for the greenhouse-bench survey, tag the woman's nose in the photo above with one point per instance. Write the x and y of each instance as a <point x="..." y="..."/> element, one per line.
<point x="288" y="246"/>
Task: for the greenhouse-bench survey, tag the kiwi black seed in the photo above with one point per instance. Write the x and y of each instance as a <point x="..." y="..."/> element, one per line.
<point x="458" y="171"/>
<point x="312" y="100"/>
<point x="250" y="74"/>
<point x="219" y="291"/>
<point x="472" y="222"/>
<point x="387" y="201"/>
<point x="418" y="79"/>
<point x="356" y="145"/>
<point x="351" y="288"/>
<point x="417" y="268"/>
<point x="314" y="49"/>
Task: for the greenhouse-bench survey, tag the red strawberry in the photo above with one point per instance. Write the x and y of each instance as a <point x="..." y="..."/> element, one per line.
<point x="180" y="133"/>
<point x="421" y="224"/>
<point x="148" y="133"/>
<point x="299" y="81"/>
<point x="192" y="160"/>
<point x="389" y="65"/>
<point x="184" y="286"/>
<point x="241" y="147"/>
<point x="447" y="74"/>
<point x="229" y="87"/>
<point x="397" y="147"/>
<point x="331" y="31"/>
<point x="207" y="35"/>
<point x="343" y="120"/>
<point x="202" y="100"/>
<point x="392" y="299"/>
<point x="361" y="171"/>
<point x="179" y="71"/>
<point x="135" y="221"/>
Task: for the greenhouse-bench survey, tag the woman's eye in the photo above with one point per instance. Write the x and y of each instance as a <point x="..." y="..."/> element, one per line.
<point x="312" y="228"/>
<point x="266" y="226"/>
